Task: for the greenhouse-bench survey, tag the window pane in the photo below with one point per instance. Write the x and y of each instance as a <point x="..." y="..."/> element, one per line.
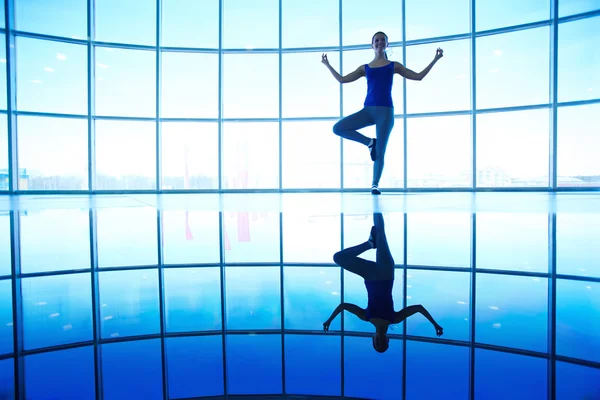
<point x="3" y="67"/>
<point x="53" y="152"/>
<point x="500" y="79"/>
<point x="6" y="317"/>
<point x="577" y="238"/>
<point x="492" y="14"/>
<point x="2" y="16"/>
<point x="310" y="154"/>
<point x="452" y="73"/>
<point x="512" y="149"/>
<point x="190" y="23"/>
<point x="51" y="76"/>
<point x="512" y="311"/>
<point x="446" y="296"/>
<point x="448" y="162"/>
<point x="190" y="155"/>
<point x="127" y="236"/>
<point x="65" y="374"/>
<point x="141" y="356"/>
<point x="263" y="353"/>
<point x="7" y="377"/>
<point x="436" y="18"/>
<point x="57" y="310"/>
<point x="5" y="244"/>
<point x="317" y="97"/>
<point x="125" y="155"/>
<point x="253" y="298"/>
<point x="578" y="60"/>
<point x="59" y="18"/>
<point x="576" y="381"/>
<point x="305" y="370"/>
<point x="129" y="303"/>
<point x="578" y="319"/>
<point x="3" y="160"/>
<point x="251" y="237"/>
<point x="357" y="228"/>
<point x="200" y="356"/>
<point x="578" y="140"/>
<point x="297" y="15"/>
<point x="570" y="7"/>
<point x="190" y="83"/>
<point x="190" y="237"/>
<point x="117" y="27"/>
<point x="250" y="25"/>
<point x="360" y="22"/>
<point x="310" y="237"/>
<point x="192" y="299"/>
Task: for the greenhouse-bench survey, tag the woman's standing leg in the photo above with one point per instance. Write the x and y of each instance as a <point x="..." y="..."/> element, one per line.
<point x="384" y="120"/>
<point x="347" y="126"/>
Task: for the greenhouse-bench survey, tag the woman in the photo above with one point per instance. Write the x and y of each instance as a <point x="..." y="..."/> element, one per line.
<point x="378" y="106"/>
<point x="379" y="281"/>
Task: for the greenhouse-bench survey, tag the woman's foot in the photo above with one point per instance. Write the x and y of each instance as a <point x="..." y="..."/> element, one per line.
<point x="373" y="149"/>
<point x="439" y="330"/>
<point x="375" y="190"/>
<point x="373" y="238"/>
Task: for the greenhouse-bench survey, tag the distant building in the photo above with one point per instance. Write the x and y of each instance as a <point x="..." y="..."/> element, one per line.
<point x="23" y="179"/>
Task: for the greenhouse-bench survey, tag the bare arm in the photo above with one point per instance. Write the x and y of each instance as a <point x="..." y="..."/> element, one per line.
<point x="417" y="76"/>
<point x="353" y="308"/>
<point x="351" y="77"/>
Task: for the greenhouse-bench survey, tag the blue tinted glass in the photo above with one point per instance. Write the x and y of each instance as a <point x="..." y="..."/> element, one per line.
<point x="446" y="367"/>
<point x="253" y="297"/>
<point x="297" y="15"/>
<point x="577" y="252"/>
<point x="200" y="356"/>
<point x="357" y="228"/>
<point x="2" y="16"/>
<point x="360" y="22"/>
<point x="135" y="22"/>
<point x="369" y="374"/>
<point x="137" y="312"/>
<point x="309" y="237"/>
<point x="192" y="299"/>
<point x="509" y="376"/>
<point x="250" y="25"/>
<point x="190" y="237"/>
<point x="59" y="17"/>
<point x="578" y="319"/>
<point x="6" y="317"/>
<point x="3" y="67"/>
<point x="512" y="311"/>
<point x="313" y="365"/>
<point x="190" y="23"/>
<point x="7" y="379"/>
<point x="436" y="18"/>
<point x="56" y="310"/>
<point x="310" y="296"/>
<point x="570" y="7"/>
<point x="492" y="14"/>
<point x="263" y="353"/>
<point x="132" y="370"/>
<point x="576" y="382"/>
<point x="5" y="244"/>
<point x="65" y="374"/>
<point x="251" y="237"/>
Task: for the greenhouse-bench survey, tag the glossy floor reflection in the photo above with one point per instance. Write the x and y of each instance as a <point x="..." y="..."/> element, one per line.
<point x="177" y="296"/>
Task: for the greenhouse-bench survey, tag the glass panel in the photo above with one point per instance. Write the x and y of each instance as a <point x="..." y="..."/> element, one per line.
<point x="512" y="311"/>
<point x="127" y="237"/>
<point x="129" y="303"/>
<point x="51" y="76"/>
<point x="64" y="374"/>
<point x="57" y="310"/>
<point x="357" y="228"/>
<point x="578" y="319"/>
<point x="492" y="14"/>
<point x="297" y="15"/>
<point x="361" y="361"/>
<point x="2" y="16"/>
<point x="253" y="298"/>
<point x="141" y="356"/>
<point x="7" y="377"/>
<point x="59" y="18"/>
<point x="509" y="376"/>
<point x="448" y="233"/>
<point x="190" y="155"/>
<point x="310" y="237"/>
<point x="190" y="85"/>
<point x="526" y="235"/>
<point x="305" y="370"/>
<point x="116" y="27"/>
<point x="125" y="155"/>
<point x="310" y="154"/>
<point x="250" y="155"/>
<point x="3" y="67"/>
<point x="578" y="138"/>
<point x="310" y="296"/>
<point x="447" y="366"/>
<point x="576" y="381"/>
<point x="512" y="149"/>
<point x="577" y="251"/>
<point x="452" y="73"/>
<point x="6" y="318"/>
<point x="192" y="299"/>
<point x="250" y="25"/>
<point x="446" y="296"/>
<point x="190" y="237"/>
<point x="3" y="167"/>
<point x="200" y="356"/>
<point x="5" y="244"/>
<point x="317" y="97"/>
<point x="54" y="240"/>
<point x="570" y="7"/>
<point x="436" y="18"/>
<point x="125" y="81"/>
<point x="190" y="23"/>
<point x="251" y="237"/>
<point x="500" y="80"/>
<point x="435" y="166"/>
<point x="263" y="353"/>
<point x="361" y="22"/>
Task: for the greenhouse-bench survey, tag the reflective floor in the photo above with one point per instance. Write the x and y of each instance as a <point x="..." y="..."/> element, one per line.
<point x="186" y="296"/>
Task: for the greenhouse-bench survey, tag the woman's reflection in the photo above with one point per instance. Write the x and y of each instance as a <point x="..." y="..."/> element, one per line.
<point x="379" y="281"/>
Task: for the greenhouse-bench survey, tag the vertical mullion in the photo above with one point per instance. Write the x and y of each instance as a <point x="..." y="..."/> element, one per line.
<point x="161" y="299"/>
<point x="404" y="301"/>
<point x="553" y="95"/>
<point x="404" y="122"/>
<point x="473" y="97"/>
<point x="281" y="288"/>
<point x="93" y="219"/>
<point x="341" y="91"/>
<point x="11" y="100"/>
<point x="222" y="282"/>
<point x="157" y="98"/>
<point x="473" y="304"/>
<point x="220" y="98"/>
<point x="280" y="95"/>
<point x="17" y="309"/>
<point x="551" y="305"/>
<point x="91" y="85"/>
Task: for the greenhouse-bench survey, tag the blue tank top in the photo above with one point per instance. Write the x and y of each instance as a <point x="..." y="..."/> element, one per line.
<point x="379" y="85"/>
<point x="381" y="303"/>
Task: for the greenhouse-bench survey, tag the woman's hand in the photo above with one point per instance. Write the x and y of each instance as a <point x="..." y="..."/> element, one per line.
<point x="326" y="325"/>
<point x="439" y="54"/>
<point x="324" y="59"/>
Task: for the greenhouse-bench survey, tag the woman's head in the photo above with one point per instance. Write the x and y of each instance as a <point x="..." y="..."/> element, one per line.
<point x="381" y="342"/>
<point x="379" y="42"/>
